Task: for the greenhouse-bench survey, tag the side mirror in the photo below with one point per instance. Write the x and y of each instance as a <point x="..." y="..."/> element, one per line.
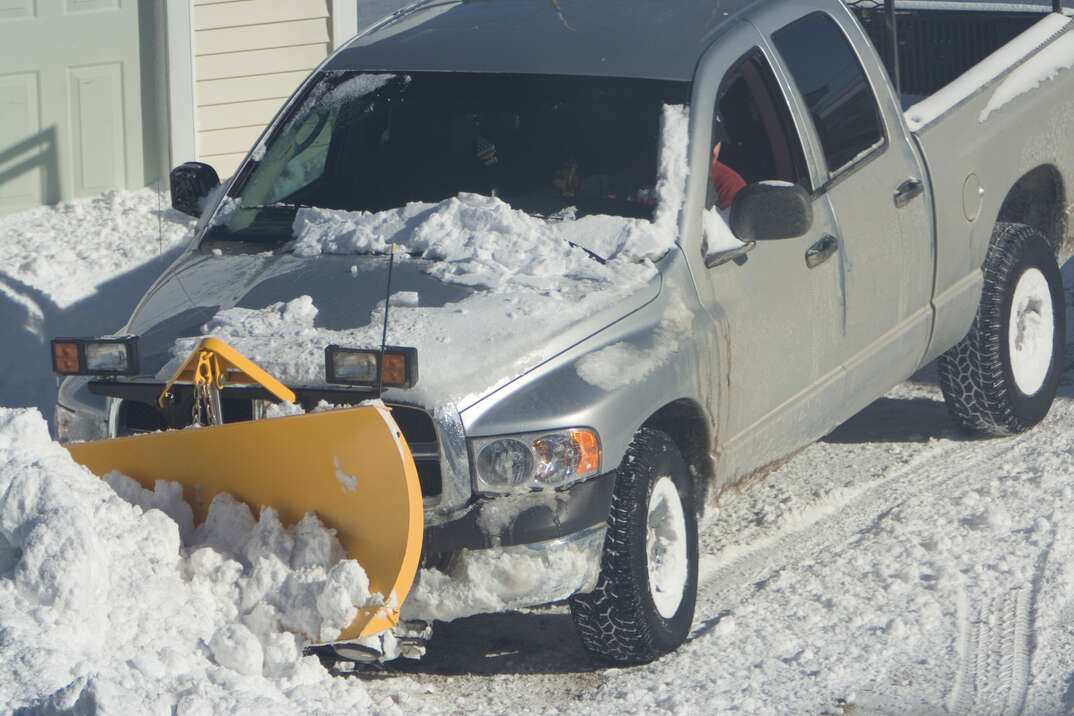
<point x="191" y="183"/>
<point x="771" y="210"/>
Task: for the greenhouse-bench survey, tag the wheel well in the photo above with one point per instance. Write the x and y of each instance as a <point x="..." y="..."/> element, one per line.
<point x="685" y="423"/>
<point x="1037" y="200"/>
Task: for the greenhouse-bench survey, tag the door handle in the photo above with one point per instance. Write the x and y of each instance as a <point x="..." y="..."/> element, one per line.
<point x="908" y="191"/>
<point x="821" y="251"/>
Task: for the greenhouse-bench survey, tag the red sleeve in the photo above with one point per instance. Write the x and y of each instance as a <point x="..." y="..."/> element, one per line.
<point x="728" y="184"/>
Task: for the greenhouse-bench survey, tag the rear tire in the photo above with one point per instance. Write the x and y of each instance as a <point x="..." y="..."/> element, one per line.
<point x="643" y="606"/>
<point x="1002" y="378"/>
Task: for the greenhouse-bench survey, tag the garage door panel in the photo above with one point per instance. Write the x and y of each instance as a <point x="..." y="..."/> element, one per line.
<point x="17" y="9"/>
<point x="78" y="123"/>
<point x="96" y="105"/>
<point x="24" y="148"/>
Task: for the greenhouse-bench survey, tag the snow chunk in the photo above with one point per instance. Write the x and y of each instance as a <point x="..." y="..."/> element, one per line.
<point x="718" y="235"/>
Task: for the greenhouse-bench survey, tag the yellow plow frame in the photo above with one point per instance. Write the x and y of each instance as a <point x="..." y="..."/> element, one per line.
<point x="352" y="467"/>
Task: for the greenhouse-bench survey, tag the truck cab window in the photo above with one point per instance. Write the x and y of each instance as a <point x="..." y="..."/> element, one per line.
<point x="834" y="88"/>
<point x="753" y="137"/>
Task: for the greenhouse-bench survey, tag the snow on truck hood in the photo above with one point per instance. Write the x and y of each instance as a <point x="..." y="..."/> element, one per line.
<point x="483" y="291"/>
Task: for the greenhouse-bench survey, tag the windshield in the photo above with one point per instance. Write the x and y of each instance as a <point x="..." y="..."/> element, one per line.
<point x="551" y="146"/>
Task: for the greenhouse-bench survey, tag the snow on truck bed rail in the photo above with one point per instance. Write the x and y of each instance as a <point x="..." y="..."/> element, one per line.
<point x="111" y="599"/>
<point x="985" y="72"/>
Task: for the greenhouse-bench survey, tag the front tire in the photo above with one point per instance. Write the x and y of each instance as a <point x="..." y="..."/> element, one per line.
<point x="643" y="605"/>
<point x="1002" y="378"/>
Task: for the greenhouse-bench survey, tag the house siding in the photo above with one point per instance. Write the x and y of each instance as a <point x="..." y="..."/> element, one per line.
<point x="249" y="56"/>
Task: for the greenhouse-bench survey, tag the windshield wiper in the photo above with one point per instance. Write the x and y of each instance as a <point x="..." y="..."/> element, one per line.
<point x="279" y="205"/>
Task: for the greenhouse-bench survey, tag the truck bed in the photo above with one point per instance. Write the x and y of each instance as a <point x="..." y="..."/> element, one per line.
<point x="998" y="141"/>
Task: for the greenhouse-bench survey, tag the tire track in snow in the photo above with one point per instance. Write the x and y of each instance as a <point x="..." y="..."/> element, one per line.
<point x="996" y="648"/>
<point x="831" y="521"/>
<point x="993" y="676"/>
<point x="726" y="582"/>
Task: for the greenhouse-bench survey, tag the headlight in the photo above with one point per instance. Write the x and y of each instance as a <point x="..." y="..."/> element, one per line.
<point x="535" y="461"/>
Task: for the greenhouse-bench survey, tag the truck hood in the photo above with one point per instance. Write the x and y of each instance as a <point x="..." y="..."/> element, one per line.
<point x="282" y="310"/>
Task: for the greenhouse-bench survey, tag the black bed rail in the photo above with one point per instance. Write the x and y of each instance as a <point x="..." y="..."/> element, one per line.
<point x="926" y="49"/>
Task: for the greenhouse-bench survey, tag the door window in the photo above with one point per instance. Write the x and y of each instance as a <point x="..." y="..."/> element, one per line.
<point x="753" y="136"/>
<point x="834" y="88"/>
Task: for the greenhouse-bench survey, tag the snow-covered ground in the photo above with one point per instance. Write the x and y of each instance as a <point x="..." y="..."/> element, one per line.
<point x="76" y="269"/>
<point x="896" y="567"/>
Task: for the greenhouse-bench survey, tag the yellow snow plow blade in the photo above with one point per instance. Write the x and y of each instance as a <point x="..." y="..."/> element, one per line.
<point x="352" y="467"/>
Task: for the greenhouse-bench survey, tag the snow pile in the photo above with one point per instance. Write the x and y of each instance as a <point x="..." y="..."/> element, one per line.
<point x="1042" y="67"/>
<point x="283" y="338"/>
<point x="66" y="252"/>
<point x="482" y="241"/>
<point x="111" y="600"/>
<point x="476" y="241"/>
<point x="487" y="581"/>
<point x="75" y="269"/>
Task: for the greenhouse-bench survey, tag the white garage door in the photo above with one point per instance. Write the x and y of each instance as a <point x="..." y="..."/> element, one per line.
<point x="70" y="99"/>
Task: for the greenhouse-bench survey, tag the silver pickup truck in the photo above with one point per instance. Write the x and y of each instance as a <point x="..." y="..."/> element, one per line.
<point x="874" y="231"/>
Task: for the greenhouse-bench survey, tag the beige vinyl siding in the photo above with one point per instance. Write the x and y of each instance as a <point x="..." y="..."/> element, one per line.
<point x="250" y="55"/>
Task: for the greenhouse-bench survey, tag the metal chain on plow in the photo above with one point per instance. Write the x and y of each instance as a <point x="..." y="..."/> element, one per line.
<point x="208" y="380"/>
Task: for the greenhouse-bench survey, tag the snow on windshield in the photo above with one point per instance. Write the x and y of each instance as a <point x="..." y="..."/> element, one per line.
<point x="485" y="236"/>
<point x="530" y="285"/>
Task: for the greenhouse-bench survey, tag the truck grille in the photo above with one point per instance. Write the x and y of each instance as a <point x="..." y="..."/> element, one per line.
<point x="136" y="418"/>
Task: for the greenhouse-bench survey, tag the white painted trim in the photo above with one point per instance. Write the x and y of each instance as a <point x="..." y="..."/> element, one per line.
<point x="344" y="21"/>
<point x="182" y="105"/>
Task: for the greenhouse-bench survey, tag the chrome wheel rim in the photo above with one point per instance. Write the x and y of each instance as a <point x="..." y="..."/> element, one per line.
<point x="665" y="547"/>
<point x="1032" y="331"/>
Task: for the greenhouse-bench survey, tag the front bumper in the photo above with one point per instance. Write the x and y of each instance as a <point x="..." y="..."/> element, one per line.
<point x="505" y="578"/>
<point x="524" y="519"/>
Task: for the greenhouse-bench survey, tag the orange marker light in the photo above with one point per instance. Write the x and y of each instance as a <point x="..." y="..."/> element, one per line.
<point x="394" y="369"/>
<point x="588" y="446"/>
<point x="65" y="358"/>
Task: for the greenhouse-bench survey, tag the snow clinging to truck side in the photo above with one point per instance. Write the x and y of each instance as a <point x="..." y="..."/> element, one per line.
<point x="1042" y="67"/>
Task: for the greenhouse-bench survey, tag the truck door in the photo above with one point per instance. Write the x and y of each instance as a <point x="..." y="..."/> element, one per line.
<point x="779" y="308"/>
<point x="875" y="183"/>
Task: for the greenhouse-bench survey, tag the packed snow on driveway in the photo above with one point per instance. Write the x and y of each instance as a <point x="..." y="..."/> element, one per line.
<point x="896" y="567"/>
